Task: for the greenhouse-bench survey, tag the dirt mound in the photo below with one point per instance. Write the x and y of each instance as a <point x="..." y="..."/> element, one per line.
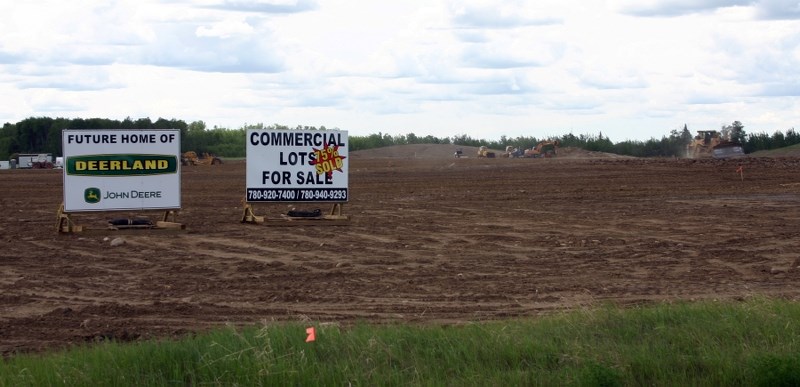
<point x="417" y="151"/>
<point x="789" y="151"/>
<point x="441" y="151"/>
<point x="578" y="153"/>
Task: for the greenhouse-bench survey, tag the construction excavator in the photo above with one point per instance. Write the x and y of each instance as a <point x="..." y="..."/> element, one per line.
<point x="191" y="158"/>
<point x="710" y="143"/>
<point x="544" y="148"/>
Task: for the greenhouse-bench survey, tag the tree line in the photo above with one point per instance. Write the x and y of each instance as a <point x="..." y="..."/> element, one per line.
<point x="43" y="135"/>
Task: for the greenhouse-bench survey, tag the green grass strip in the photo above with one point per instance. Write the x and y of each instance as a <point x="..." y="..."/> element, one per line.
<point x="753" y="343"/>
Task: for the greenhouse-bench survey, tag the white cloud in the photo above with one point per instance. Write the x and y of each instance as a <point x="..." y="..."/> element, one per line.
<point x="225" y="29"/>
<point x="778" y="9"/>
<point x="670" y="8"/>
<point x="268" y="7"/>
<point x="497" y="15"/>
<point x="631" y="69"/>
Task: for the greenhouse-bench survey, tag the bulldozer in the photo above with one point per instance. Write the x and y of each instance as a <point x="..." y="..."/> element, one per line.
<point x="513" y="152"/>
<point x="483" y="151"/>
<point x="544" y="148"/>
<point x="710" y="143"/>
<point x="191" y="158"/>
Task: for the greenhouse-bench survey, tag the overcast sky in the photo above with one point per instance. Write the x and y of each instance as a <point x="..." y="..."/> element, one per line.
<point x="631" y="69"/>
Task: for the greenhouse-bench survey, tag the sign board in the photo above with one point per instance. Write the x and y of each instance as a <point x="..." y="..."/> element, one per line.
<point x="110" y="170"/>
<point x="296" y="166"/>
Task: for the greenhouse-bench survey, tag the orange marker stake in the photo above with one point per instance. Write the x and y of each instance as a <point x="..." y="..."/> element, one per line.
<point x="312" y="334"/>
<point x="740" y="170"/>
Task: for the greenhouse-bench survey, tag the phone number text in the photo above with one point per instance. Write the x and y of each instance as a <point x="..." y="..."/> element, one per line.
<point x="297" y="194"/>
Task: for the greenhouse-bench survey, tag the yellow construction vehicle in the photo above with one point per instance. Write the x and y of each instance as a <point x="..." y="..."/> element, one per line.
<point x="483" y="151"/>
<point x="513" y="152"/>
<point x="710" y="143"/>
<point x="191" y="158"/>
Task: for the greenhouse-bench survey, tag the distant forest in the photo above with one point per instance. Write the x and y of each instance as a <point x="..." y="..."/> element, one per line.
<point x="43" y="135"/>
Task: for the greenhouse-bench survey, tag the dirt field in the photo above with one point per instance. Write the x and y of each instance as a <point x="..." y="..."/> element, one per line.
<point x="431" y="239"/>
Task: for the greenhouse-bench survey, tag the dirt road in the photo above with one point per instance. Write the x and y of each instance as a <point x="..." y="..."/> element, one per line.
<point x="429" y="240"/>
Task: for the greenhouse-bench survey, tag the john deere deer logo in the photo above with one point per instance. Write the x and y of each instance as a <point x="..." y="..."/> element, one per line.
<point x="91" y="195"/>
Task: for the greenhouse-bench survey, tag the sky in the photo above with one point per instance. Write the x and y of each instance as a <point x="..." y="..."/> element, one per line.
<point x="626" y="69"/>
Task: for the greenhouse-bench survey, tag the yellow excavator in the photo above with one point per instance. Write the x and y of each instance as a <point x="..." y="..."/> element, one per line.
<point x="545" y="148"/>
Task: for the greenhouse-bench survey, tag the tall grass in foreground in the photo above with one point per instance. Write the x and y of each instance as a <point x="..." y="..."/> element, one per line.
<point x="717" y="344"/>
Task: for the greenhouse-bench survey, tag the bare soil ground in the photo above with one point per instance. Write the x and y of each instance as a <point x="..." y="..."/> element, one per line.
<point x="431" y="239"/>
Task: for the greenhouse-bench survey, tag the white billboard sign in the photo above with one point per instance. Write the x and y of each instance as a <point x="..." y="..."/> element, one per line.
<point x="110" y="170"/>
<point x="297" y="166"/>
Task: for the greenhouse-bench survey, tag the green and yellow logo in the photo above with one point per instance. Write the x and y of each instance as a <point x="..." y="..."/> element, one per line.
<point x="91" y="195"/>
<point x="121" y="165"/>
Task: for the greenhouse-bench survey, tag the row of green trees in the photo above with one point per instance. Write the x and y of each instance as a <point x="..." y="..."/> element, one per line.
<point x="43" y="135"/>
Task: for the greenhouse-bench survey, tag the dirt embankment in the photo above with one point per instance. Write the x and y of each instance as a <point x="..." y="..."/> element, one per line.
<point x="440" y="151"/>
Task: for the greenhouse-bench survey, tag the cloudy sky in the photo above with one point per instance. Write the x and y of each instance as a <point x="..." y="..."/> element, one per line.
<point x="631" y="69"/>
